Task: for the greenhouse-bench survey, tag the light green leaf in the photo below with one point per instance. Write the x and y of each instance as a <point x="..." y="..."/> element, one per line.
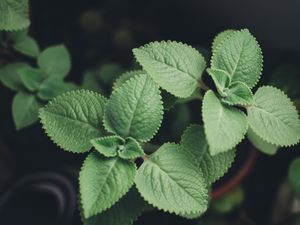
<point x="135" y="109"/>
<point x="9" y="75"/>
<point x="108" y="146"/>
<point x="125" y="77"/>
<point x="225" y="126"/>
<point x="238" y="93"/>
<point x="176" y="67"/>
<point x="71" y="120"/>
<point x="221" y="79"/>
<point x="103" y="181"/>
<point x="170" y="181"/>
<point x="260" y="144"/>
<point x="220" y="37"/>
<point x="55" y="61"/>
<point x="31" y="78"/>
<point x="14" y="14"/>
<point x="294" y="176"/>
<point x="131" y="149"/>
<point x="27" y="46"/>
<point x="124" y="212"/>
<point x="240" y="56"/>
<point x="25" y="108"/>
<point x="194" y="142"/>
<point x="274" y="118"/>
<point x="53" y="87"/>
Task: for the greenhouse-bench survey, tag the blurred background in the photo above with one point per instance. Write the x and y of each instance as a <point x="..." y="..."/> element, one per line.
<point x="38" y="181"/>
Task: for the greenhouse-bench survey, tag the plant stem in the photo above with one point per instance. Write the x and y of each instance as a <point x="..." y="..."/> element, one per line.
<point x="202" y="85"/>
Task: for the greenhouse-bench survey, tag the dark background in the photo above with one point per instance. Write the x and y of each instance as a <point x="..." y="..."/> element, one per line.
<point x="101" y="31"/>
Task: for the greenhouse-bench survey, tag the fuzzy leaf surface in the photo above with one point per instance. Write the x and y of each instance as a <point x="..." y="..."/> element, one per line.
<point x="176" y="67"/>
<point x="274" y="117"/>
<point x="221" y="79"/>
<point x="125" y="77"/>
<point x="169" y="180"/>
<point x="14" y="15"/>
<point x="225" y="126"/>
<point x="220" y="37"/>
<point x="124" y="212"/>
<point x="261" y="144"/>
<point x="55" y="61"/>
<point x="103" y="181"/>
<point x="238" y="93"/>
<point x="131" y="149"/>
<point x="71" y="120"/>
<point x="108" y="146"/>
<point x="194" y="141"/>
<point x="135" y="109"/>
<point x="25" y="109"/>
<point x="240" y="56"/>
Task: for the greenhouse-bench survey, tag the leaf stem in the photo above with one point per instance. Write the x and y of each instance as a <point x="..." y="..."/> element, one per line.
<point x="202" y="85"/>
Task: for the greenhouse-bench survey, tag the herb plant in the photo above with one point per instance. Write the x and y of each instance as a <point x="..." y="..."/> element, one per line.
<point x="115" y="186"/>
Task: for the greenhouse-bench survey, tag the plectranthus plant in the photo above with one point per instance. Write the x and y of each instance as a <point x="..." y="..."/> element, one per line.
<point x="119" y="178"/>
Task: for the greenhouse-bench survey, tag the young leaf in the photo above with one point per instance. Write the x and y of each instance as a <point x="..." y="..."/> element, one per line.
<point x="194" y="142"/>
<point x="238" y="93"/>
<point x="220" y="38"/>
<point x="125" y="77"/>
<point x="294" y="176"/>
<point x="31" y="78"/>
<point x="225" y="126"/>
<point x="274" y="118"/>
<point x="9" y="75"/>
<point x="170" y="181"/>
<point x="55" y="61"/>
<point x="27" y="46"/>
<point x="221" y="79"/>
<point x="53" y="87"/>
<point x="108" y="146"/>
<point x="260" y="144"/>
<point x="240" y="56"/>
<point x="71" y="120"/>
<point x="131" y="149"/>
<point x="25" y="108"/>
<point x="124" y="212"/>
<point x="176" y="67"/>
<point x="103" y="181"/>
<point x="14" y="14"/>
<point x="135" y="109"/>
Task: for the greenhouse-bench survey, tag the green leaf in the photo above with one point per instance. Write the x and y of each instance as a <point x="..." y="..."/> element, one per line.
<point x="194" y="142"/>
<point x="125" y="77"/>
<point x="14" y="14"/>
<point x="71" y="120"/>
<point x="124" y="212"/>
<point x="135" y="109"/>
<point x="9" y="75"/>
<point x="25" y="108"/>
<point x="240" y="56"/>
<point x="225" y="126"/>
<point x="170" y="181"/>
<point x="131" y="149"/>
<point x="294" y="176"/>
<point x="260" y="144"/>
<point x="230" y="201"/>
<point x="221" y="79"/>
<point x="53" y="87"/>
<point x="55" y="61"/>
<point x="27" y="46"/>
<point x="103" y="181"/>
<point x="274" y="118"/>
<point x="238" y="93"/>
<point x="176" y="67"/>
<point x="31" y="78"/>
<point x="219" y="38"/>
<point x="108" y="146"/>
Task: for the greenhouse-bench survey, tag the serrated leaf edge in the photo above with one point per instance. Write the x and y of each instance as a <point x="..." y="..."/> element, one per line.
<point x="139" y="72"/>
<point x="42" y="119"/>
